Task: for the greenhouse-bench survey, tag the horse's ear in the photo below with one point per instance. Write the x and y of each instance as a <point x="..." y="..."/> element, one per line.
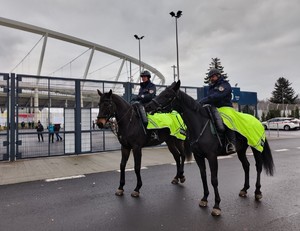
<point x="99" y="92"/>
<point x="177" y="86"/>
<point x="110" y="92"/>
<point x="172" y="85"/>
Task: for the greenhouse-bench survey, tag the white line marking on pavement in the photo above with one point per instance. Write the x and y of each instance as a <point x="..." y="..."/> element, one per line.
<point x="298" y="147"/>
<point x="281" y="150"/>
<point x="186" y="162"/>
<point x="224" y="157"/>
<point x="131" y="169"/>
<point x="219" y="158"/>
<point x="65" y="178"/>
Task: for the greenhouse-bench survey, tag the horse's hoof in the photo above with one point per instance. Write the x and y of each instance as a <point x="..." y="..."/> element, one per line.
<point x="175" y="181"/>
<point x="203" y="203"/>
<point x="135" y="194"/>
<point x="258" y="197"/>
<point x="243" y="193"/>
<point x="119" y="192"/>
<point x="182" y="179"/>
<point x="216" y="212"/>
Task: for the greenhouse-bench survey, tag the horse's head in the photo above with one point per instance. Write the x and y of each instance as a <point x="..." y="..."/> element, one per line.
<point x="164" y="99"/>
<point x="107" y="108"/>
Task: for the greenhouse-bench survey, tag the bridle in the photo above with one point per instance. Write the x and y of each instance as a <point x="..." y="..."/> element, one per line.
<point x="112" y="111"/>
<point x="169" y="102"/>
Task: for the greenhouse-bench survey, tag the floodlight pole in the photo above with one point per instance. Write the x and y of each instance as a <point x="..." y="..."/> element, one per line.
<point x="178" y="15"/>
<point x="139" y="38"/>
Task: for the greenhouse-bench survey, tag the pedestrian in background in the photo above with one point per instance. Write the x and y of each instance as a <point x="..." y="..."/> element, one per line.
<point x="40" y="129"/>
<point x="56" y="131"/>
<point x="51" y="132"/>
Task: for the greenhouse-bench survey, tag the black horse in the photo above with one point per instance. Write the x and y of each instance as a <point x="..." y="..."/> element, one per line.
<point x="205" y="144"/>
<point x="132" y="135"/>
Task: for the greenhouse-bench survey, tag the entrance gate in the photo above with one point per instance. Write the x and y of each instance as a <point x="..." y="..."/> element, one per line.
<point x="70" y="103"/>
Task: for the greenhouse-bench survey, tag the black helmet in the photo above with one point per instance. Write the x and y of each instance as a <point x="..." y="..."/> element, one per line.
<point x="146" y="73"/>
<point x="214" y="71"/>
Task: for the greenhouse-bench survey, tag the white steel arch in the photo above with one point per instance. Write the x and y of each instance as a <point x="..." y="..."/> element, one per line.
<point x="71" y="39"/>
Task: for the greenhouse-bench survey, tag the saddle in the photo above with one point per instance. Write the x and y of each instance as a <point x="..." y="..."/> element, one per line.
<point x="217" y="123"/>
<point x="140" y="110"/>
<point x="215" y="117"/>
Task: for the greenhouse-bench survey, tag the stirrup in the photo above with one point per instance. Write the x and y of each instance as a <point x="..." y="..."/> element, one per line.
<point x="154" y="136"/>
<point x="230" y="148"/>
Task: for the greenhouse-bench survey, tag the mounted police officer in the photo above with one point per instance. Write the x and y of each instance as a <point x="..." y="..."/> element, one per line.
<point x="147" y="92"/>
<point x="219" y="95"/>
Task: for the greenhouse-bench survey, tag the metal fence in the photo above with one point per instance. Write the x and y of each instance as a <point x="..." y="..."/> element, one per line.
<point x="71" y="103"/>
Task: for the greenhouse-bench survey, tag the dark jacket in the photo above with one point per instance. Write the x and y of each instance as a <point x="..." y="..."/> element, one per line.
<point x="56" y="128"/>
<point x="39" y="127"/>
<point x="147" y="92"/>
<point x="219" y="94"/>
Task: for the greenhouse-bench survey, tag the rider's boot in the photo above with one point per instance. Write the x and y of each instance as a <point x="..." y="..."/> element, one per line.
<point x="218" y="119"/>
<point x="215" y="117"/>
<point x="143" y="114"/>
<point x="230" y="147"/>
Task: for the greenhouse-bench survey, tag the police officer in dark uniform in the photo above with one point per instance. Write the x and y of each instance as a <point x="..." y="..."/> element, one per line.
<point x="219" y="95"/>
<point x="147" y="92"/>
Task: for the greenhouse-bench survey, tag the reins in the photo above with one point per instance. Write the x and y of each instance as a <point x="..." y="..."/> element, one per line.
<point x="113" y="115"/>
<point x="201" y="133"/>
<point x="160" y="107"/>
<point x="196" y="108"/>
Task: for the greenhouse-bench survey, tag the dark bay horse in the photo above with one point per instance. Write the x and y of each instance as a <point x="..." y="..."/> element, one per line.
<point x="204" y="144"/>
<point x="133" y="136"/>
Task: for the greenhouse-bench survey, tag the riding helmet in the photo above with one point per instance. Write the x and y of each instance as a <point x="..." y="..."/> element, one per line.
<point x="214" y="71"/>
<point x="146" y="73"/>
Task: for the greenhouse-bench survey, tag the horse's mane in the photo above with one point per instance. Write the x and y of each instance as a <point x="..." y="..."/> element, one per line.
<point x="189" y="101"/>
<point x="120" y="99"/>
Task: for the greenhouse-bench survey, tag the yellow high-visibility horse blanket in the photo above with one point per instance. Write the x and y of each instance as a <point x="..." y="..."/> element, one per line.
<point x="245" y="124"/>
<point x="171" y="120"/>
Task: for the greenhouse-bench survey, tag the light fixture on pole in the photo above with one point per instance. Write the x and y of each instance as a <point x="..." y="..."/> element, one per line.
<point x="174" y="74"/>
<point x="283" y="103"/>
<point x="139" y="38"/>
<point x="177" y="15"/>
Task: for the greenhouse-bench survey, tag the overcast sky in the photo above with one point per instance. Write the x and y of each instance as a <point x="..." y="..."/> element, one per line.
<point x="257" y="41"/>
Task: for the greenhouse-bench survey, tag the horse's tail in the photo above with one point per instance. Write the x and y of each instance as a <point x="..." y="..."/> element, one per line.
<point x="267" y="159"/>
<point x="187" y="150"/>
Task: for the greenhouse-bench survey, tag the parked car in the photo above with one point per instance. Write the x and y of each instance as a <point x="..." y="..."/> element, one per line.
<point x="285" y="123"/>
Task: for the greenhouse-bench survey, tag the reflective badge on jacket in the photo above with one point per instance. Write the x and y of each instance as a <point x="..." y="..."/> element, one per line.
<point x="221" y="88"/>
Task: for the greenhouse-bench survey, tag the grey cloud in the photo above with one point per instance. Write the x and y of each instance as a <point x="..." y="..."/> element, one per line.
<point x="257" y="41"/>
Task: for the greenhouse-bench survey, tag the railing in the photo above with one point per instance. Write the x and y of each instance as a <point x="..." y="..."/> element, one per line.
<point x="72" y="103"/>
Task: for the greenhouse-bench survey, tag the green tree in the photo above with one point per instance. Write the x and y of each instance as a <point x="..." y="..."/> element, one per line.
<point x="248" y="109"/>
<point x="263" y="116"/>
<point x="273" y="113"/>
<point x="216" y="63"/>
<point x="295" y="113"/>
<point x="283" y="92"/>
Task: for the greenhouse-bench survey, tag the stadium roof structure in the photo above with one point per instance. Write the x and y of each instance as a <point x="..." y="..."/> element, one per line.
<point x="83" y="43"/>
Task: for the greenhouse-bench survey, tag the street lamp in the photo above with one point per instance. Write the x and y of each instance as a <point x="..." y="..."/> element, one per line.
<point x="174" y="74"/>
<point x="283" y="103"/>
<point x="177" y="15"/>
<point x="139" y="38"/>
